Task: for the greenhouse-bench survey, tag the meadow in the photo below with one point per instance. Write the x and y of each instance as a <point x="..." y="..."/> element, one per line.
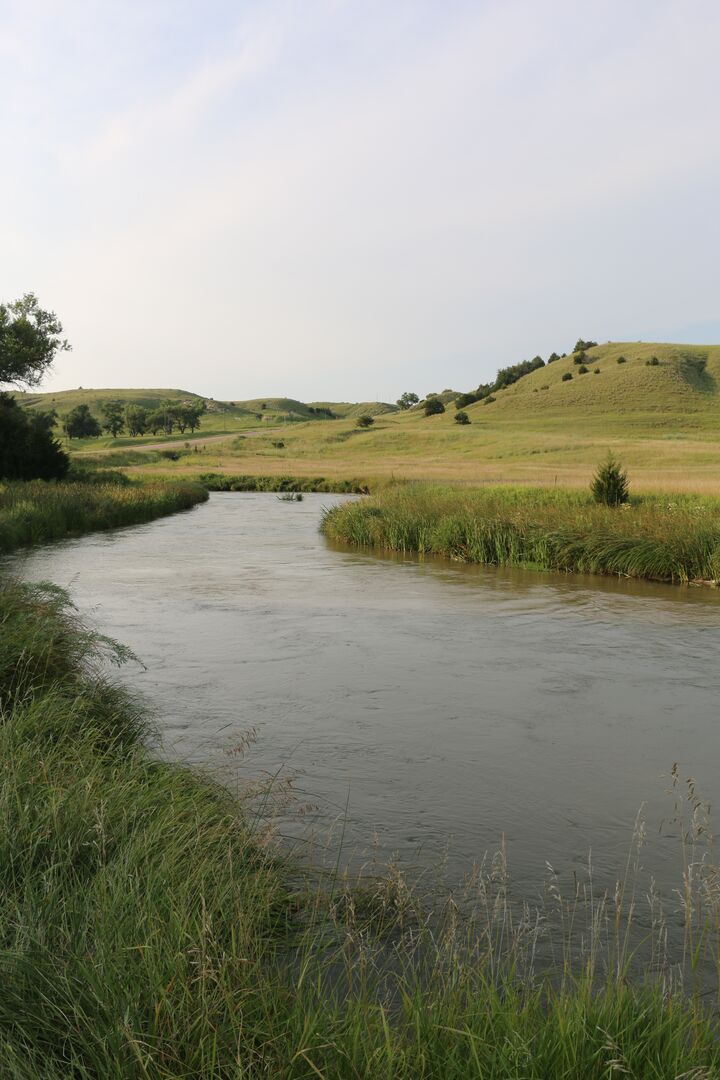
<point x="661" y="420"/>
<point x="152" y="929"/>
<point x="664" y="539"/>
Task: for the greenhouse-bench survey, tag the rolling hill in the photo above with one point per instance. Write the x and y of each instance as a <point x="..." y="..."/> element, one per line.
<point x="661" y="418"/>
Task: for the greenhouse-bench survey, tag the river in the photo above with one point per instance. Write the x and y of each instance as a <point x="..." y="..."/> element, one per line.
<point x="424" y="709"/>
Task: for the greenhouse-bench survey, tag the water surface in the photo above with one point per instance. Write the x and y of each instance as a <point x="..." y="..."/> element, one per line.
<point x="429" y="707"/>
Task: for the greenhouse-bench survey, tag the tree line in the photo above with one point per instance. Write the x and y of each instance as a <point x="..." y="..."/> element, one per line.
<point x="119" y="417"/>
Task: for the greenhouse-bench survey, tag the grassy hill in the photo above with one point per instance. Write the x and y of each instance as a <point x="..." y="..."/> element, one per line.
<point x="685" y="380"/>
<point x="257" y="408"/>
<point x="663" y="421"/>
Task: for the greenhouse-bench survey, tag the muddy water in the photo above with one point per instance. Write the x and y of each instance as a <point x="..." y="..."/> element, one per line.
<point x="429" y="707"/>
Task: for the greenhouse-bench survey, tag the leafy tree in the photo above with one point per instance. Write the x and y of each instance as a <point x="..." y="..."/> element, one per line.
<point x="114" y="413"/>
<point x="136" y="420"/>
<point x="154" y="421"/>
<point x="466" y="399"/>
<point x="81" y="424"/>
<point x="462" y="417"/>
<point x="581" y="346"/>
<point x="29" y="340"/>
<point x="365" y="421"/>
<point x="28" y="448"/>
<point x="433" y="406"/>
<point x="552" y="358"/>
<point x="406" y="400"/>
<point x="186" y="416"/>
<point x="610" y="484"/>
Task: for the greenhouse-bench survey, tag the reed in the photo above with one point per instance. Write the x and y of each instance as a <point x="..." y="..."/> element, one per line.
<point x="148" y="928"/>
<point x="673" y="539"/>
<point x="229" y="482"/>
<point x="36" y="512"/>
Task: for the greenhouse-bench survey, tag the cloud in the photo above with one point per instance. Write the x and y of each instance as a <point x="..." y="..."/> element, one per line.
<point x="332" y="197"/>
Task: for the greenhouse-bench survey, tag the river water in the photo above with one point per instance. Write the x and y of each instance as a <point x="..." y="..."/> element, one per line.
<point x="425" y="709"/>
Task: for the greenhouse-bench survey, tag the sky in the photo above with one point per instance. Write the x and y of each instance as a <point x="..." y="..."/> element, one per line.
<point x="348" y="199"/>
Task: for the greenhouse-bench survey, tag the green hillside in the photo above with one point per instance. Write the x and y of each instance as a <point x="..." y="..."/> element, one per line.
<point x="685" y="379"/>
<point x="269" y="407"/>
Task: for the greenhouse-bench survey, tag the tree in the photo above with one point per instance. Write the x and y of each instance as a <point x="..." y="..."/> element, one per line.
<point x="136" y="420"/>
<point x="185" y="415"/>
<point x="365" y="421"/>
<point x="610" y="484"/>
<point x="406" y="400"/>
<point x="28" y="448"/>
<point x="461" y="417"/>
<point x="29" y="340"/>
<point x="81" y="424"/>
<point x="155" y="421"/>
<point x="433" y="406"/>
<point x="114" y="413"/>
<point x="581" y="346"/>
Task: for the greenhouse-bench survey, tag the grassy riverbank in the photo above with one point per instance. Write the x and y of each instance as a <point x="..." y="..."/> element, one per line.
<point x="663" y="538"/>
<point x="149" y="930"/>
<point x="36" y="512"/>
<point x="229" y="482"/>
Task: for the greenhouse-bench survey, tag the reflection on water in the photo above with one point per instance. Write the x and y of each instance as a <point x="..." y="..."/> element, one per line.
<point x="445" y="706"/>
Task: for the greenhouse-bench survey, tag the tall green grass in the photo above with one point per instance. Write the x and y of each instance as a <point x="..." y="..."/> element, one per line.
<point x="36" y="511"/>
<point x="148" y="929"/>
<point x="227" y="482"/>
<point x="675" y="539"/>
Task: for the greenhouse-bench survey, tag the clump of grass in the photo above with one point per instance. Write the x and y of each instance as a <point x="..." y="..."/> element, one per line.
<point x="675" y="540"/>
<point x="149" y="931"/>
<point x="37" y="511"/>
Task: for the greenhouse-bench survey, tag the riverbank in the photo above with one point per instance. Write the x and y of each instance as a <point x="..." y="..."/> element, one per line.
<point x="36" y="512"/>
<point x="661" y="538"/>
<point x="153" y="929"/>
<point x="308" y="484"/>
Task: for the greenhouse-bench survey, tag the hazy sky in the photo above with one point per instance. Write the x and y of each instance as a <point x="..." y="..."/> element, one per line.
<point x="346" y="199"/>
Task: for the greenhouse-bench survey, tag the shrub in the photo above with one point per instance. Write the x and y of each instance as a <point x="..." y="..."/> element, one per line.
<point x="433" y="407"/>
<point x="462" y="417"/>
<point x="28" y="449"/>
<point x="621" y="360"/>
<point x="610" y="484"/>
<point x="279" y="444"/>
<point x="581" y="346"/>
<point x="552" y="358"/>
<point x="466" y="399"/>
<point x="366" y="421"/>
<point x="582" y="370"/>
<point x="567" y="376"/>
<point x="652" y="362"/>
<point x="596" y="371"/>
<point x="579" y="357"/>
<point x="489" y="400"/>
